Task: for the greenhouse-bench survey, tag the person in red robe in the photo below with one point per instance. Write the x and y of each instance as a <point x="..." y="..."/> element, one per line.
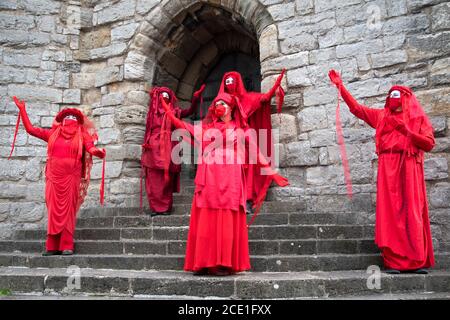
<point x="70" y="144"/>
<point x="403" y="134"/>
<point x="162" y="176"/>
<point x="256" y="113"/>
<point x="218" y="235"/>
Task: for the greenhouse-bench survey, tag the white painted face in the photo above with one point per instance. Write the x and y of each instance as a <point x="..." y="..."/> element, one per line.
<point x="395" y="94"/>
<point x="165" y="95"/>
<point x="70" y="117"/>
<point x="229" y="81"/>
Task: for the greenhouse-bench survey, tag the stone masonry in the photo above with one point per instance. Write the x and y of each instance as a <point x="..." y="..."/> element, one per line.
<point x="103" y="56"/>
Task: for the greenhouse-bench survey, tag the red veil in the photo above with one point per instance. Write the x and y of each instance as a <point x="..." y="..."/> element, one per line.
<point x="255" y="113"/>
<point x="86" y="128"/>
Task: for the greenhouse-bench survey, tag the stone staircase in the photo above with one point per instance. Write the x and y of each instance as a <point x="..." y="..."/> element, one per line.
<point x="122" y="252"/>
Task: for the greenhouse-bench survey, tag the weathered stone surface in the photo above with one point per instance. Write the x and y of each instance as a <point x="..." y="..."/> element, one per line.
<point x="286" y="127"/>
<point x="440" y="71"/>
<point x="144" y="6"/>
<point x="138" y="67"/>
<point x="283" y="11"/>
<point x="112" y="169"/>
<point x="429" y="46"/>
<point x="436" y="168"/>
<point x="312" y="118"/>
<point x="301" y="154"/>
<point x="269" y="42"/>
<point x="123" y="33"/>
<point x="27" y="212"/>
<point x="107" y="52"/>
<point x="304" y="6"/>
<point x="440" y="195"/>
<point x="319" y="95"/>
<point x="112" y="99"/>
<point x="440" y="14"/>
<point x="108" y="75"/>
<point x="131" y="114"/>
<point x="72" y="96"/>
<point x="439" y="125"/>
<point x="382" y="60"/>
<point x="108" y="135"/>
<point x="116" y="12"/>
<point x="28" y="92"/>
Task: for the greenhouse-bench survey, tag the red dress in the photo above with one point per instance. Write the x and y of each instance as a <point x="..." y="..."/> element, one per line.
<point x="162" y="176"/>
<point x="218" y="232"/>
<point x="402" y="229"/>
<point x="65" y="168"/>
<point x="255" y="109"/>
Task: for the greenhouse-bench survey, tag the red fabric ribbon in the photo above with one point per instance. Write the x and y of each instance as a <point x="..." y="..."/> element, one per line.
<point x="15" y="136"/>
<point x="341" y="142"/>
<point x="102" y="185"/>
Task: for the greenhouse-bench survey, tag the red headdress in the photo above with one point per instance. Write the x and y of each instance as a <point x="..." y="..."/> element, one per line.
<point x="85" y="127"/>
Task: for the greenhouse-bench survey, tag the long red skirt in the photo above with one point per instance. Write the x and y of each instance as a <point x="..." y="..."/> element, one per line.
<point x="217" y="237"/>
<point x="159" y="191"/>
<point x="402" y="229"/>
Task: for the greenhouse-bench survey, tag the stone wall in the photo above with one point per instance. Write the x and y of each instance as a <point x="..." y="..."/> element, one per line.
<point x="102" y="56"/>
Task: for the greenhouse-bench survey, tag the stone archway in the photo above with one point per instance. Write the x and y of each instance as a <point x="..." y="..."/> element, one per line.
<point x="179" y="42"/>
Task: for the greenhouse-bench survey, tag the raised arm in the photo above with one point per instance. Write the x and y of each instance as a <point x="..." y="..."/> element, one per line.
<point x="180" y="124"/>
<point x="269" y="94"/>
<point x="369" y="115"/>
<point x="37" y="132"/>
<point x="194" y="103"/>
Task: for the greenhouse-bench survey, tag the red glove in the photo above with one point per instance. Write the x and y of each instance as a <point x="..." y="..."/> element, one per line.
<point x="165" y="105"/>
<point x="399" y="125"/>
<point x="99" y="153"/>
<point x="280" y="180"/>
<point x="19" y="104"/>
<point x="199" y="92"/>
<point x="335" y="78"/>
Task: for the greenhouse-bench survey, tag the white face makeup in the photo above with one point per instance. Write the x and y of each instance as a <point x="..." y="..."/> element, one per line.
<point x="165" y="95"/>
<point x="395" y="94"/>
<point x="70" y="117"/>
<point x="229" y="81"/>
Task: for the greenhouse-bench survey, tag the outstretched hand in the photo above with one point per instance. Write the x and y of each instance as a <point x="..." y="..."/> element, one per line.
<point x="19" y="104"/>
<point x="99" y="153"/>
<point x="335" y="78"/>
<point x="199" y="92"/>
<point x="280" y="78"/>
<point x="280" y="180"/>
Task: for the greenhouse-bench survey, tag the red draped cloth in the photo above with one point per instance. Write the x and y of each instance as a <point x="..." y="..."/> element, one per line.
<point x="162" y="176"/>
<point x="256" y="114"/>
<point x="66" y="182"/>
<point x="218" y="235"/>
<point x="402" y="230"/>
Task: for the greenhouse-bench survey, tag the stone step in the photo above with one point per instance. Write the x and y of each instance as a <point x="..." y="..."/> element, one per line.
<point x="268" y="206"/>
<point x="274" y="263"/>
<point x="144" y="220"/>
<point x="257" y="247"/>
<point x="249" y="285"/>
<point x="260" y="232"/>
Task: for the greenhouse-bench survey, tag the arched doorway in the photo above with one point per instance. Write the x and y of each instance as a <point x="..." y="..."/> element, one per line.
<point x="248" y="66"/>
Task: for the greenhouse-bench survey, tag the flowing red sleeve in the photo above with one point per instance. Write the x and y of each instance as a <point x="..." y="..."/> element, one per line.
<point x="369" y="115"/>
<point x="187" y="112"/>
<point x="37" y="132"/>
<point x="425" y="138"/>
<point x="180" y="124"/>
<point x="88" y="141"/>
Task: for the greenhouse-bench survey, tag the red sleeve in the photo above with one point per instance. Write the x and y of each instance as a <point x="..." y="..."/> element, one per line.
<point x="187" y="112"/>
<point x="87" y="141"/>
<point x="425" y="138"/>
<point x="369" y="115"/>
<point x="37" y="132"/>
